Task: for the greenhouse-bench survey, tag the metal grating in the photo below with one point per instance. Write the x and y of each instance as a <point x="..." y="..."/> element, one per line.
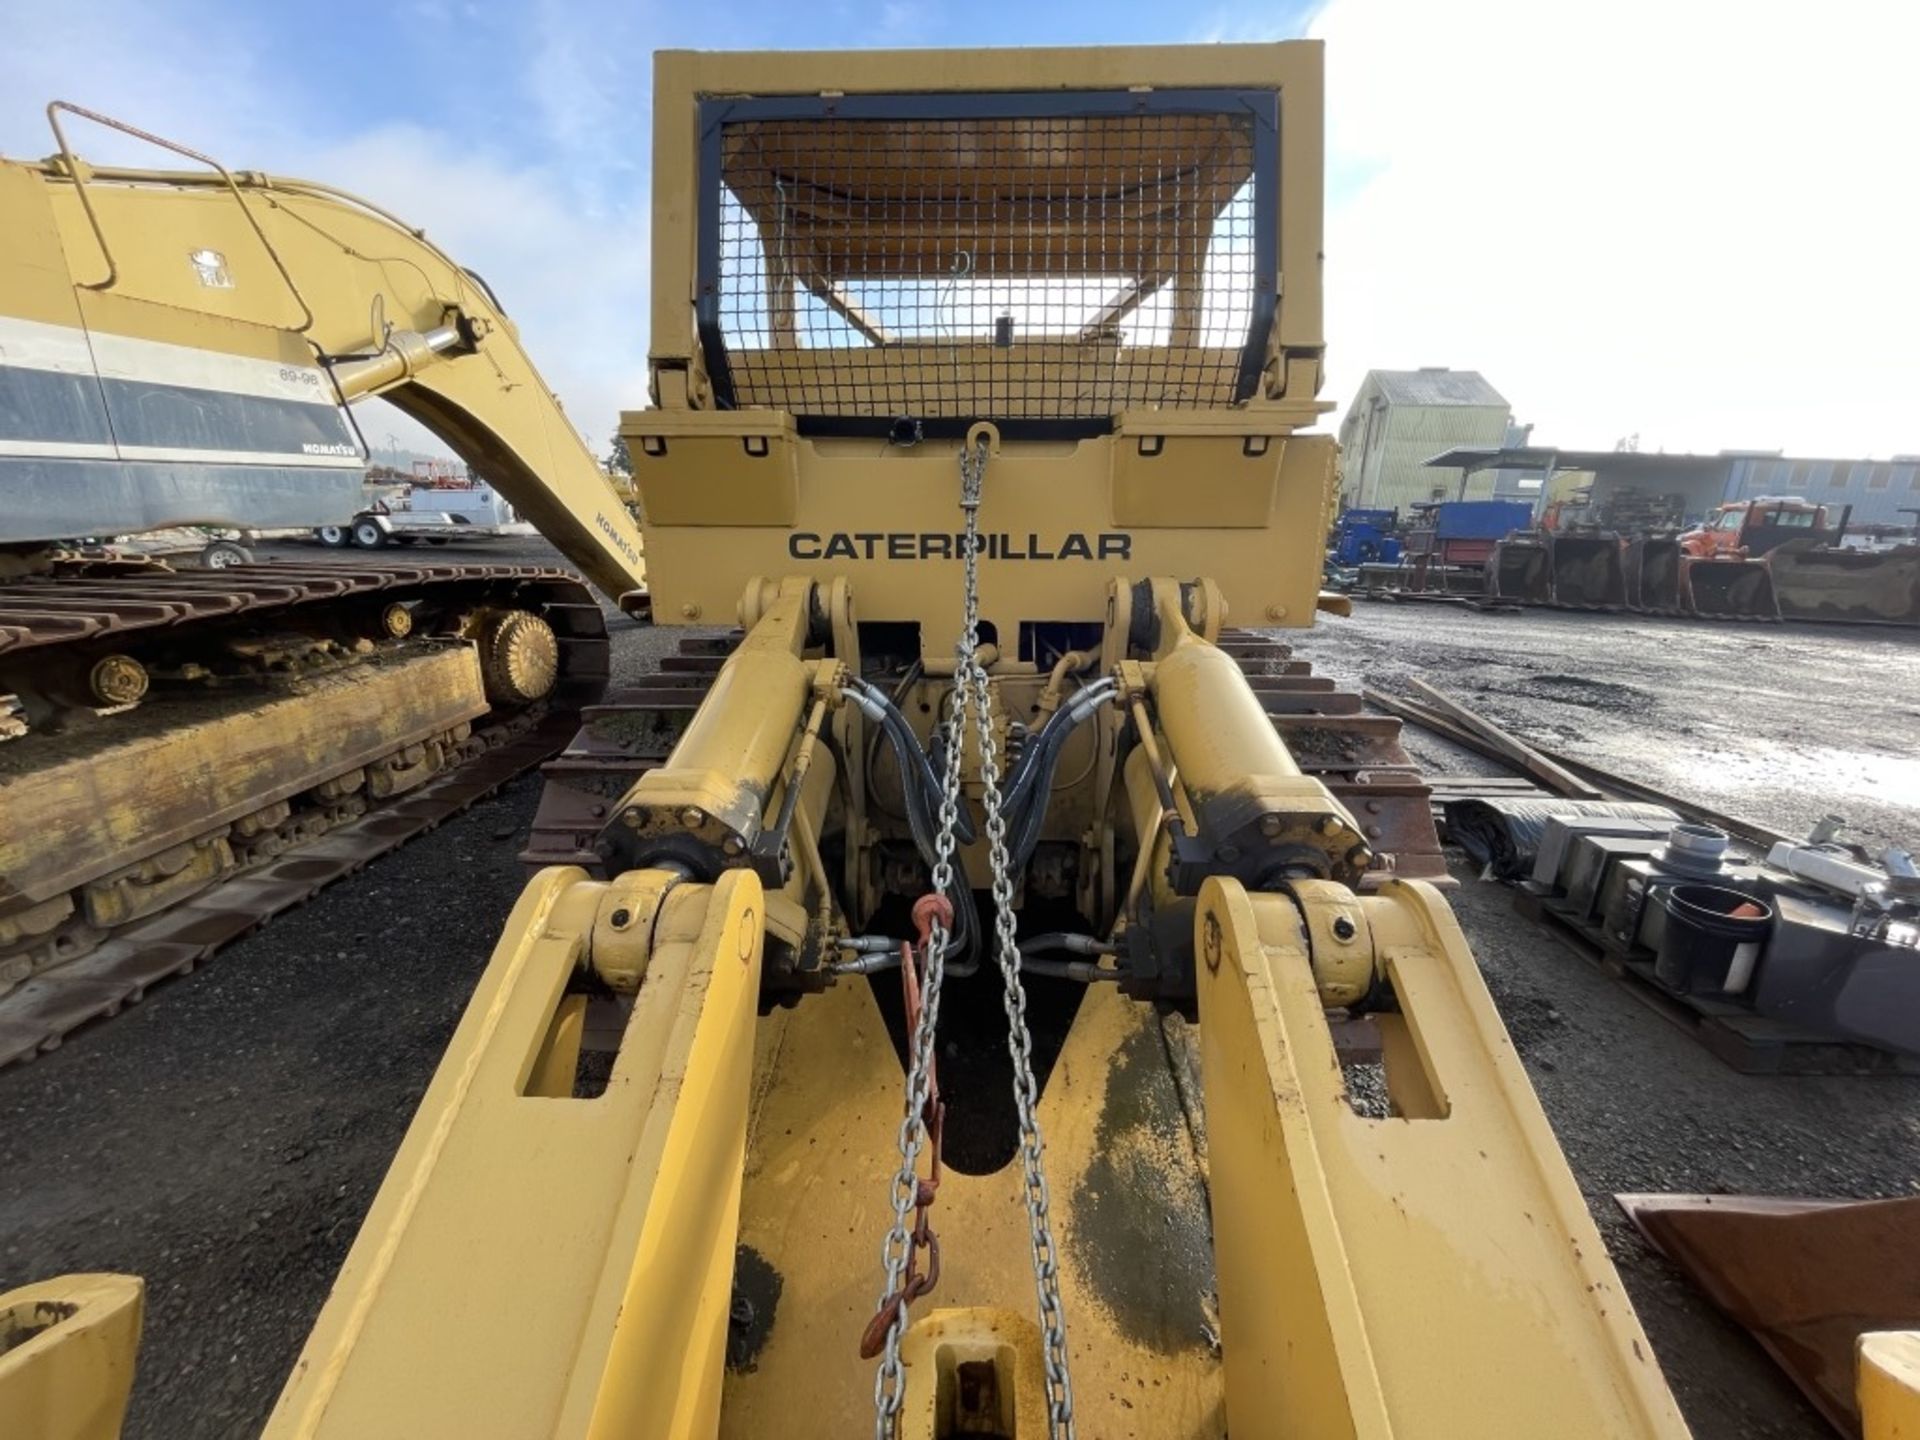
<point x="1040" y="262"/>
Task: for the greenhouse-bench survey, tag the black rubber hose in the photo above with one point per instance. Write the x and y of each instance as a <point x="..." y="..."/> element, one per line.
<point x="1052" y="739"/>
<point x="966" y="926"/>
<point x="918" y="777"/>
<point x="1029" y="811"/>
<point x="963" y="945"/>
<point x="918" y="783"/>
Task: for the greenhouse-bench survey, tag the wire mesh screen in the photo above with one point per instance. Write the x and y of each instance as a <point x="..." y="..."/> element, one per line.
<point x="1028" y="266"/>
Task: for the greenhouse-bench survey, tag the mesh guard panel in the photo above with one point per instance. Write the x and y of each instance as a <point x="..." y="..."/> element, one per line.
<point x="1041" y="266"/>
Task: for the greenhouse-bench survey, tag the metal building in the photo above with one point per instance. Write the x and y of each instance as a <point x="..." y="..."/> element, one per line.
<point x="1881" y="492"/>
<point x="1400" y="418"/>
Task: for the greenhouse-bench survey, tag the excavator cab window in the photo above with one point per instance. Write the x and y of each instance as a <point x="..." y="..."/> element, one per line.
<point x="1036" y="258"/>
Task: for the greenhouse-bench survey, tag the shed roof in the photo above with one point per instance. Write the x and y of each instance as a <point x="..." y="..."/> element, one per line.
<point x="1543" y="457"/>
<point x="1436" y="385"/>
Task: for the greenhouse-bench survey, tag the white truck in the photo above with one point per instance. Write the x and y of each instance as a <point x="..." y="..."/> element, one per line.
<point x="433" y="513"/>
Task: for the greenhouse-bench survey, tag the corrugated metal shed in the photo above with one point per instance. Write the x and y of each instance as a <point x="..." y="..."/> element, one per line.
<point x="1399" y="418"/>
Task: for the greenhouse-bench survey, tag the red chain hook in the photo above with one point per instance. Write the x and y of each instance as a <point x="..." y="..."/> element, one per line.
<point x="913" y="961"/>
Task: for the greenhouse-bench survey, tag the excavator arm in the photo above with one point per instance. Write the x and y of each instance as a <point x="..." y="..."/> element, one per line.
<point x="176" y="347"/>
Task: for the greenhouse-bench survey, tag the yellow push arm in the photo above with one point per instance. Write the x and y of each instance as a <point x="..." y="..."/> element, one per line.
<point x="543" y="1265"/>
<point x="66" y="1356"/>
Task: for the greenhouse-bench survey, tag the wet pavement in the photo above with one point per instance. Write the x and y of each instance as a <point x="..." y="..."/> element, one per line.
<point x="1775" y="723"/>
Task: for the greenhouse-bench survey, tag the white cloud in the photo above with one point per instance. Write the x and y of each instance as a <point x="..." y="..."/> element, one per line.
<point x="1692" y="220"/>
<point x="575" y="283"/>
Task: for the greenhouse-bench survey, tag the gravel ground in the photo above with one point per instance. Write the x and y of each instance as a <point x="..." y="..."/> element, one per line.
<point x="225" y="1138"/>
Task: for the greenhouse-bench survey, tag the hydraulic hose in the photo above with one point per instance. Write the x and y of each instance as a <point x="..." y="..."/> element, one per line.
<point x="922" y="792"/>
<point x="1045" y="747"/>
<point x="1085" y="971"/>
<point x="1033" y="787"/>
<point x="918" y="783"/>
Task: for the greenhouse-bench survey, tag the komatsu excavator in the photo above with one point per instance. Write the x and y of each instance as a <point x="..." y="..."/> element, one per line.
<point x="181" y="347"/>
<point x="985" y="386"/>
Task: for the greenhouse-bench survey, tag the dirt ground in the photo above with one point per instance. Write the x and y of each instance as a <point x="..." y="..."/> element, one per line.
<point x="224" y="1138"/>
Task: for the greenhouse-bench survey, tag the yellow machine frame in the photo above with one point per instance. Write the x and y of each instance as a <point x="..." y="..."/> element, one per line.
<point x="1247" y="1249"/>
<point x="1170" y="491"/>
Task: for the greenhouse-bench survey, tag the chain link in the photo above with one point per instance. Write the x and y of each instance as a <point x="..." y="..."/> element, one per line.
<point x="1026" y="1093"/>
<point x="896" y="1252"/>
<point x="973" y="692"/>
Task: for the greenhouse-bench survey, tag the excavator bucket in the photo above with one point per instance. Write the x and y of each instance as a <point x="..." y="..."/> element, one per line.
<point x="1588" y="573"/>
<point x="1653" y="574"/>
<point x="1521" y="569"/>
<point x="1862" y="586"/>
<point x="1807" y="1278"/>
<point x="1727" y="588"/>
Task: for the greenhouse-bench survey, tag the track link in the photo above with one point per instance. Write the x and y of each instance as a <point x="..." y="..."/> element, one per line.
<point x="330" y="827"/>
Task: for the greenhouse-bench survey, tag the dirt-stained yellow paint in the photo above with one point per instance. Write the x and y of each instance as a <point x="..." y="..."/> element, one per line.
<point x="63" y="822"/>
<point x="1889" y="1384"/>
<point x="67" y="1356"/>
<point x="1430" y="1273"/>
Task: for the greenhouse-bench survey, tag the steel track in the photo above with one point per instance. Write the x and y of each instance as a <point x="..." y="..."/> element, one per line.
<point x="118" y="606"/>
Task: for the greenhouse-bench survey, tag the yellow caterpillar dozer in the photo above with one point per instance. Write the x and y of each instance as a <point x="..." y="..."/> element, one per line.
<point x="984" y="992"/>
<point x="182" y="347"/>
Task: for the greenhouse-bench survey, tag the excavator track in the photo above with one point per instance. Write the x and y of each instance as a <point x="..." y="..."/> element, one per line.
<point x="136" y="842"/>
<point x="1358" y="757"/>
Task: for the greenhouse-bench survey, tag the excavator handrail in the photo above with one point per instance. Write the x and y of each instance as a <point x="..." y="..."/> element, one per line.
<point x="77" y="170"/>
<point x="71" y="166"/>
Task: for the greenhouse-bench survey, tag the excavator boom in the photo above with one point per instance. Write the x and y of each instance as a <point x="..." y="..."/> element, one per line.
<point x="179" y="347"/>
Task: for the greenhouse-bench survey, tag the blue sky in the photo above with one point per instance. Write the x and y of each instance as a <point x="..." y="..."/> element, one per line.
<point x="1694" y="220"/>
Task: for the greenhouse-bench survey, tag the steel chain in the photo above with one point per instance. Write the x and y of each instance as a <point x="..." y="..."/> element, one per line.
<point x="973" y="691"/>
<point x="889" y="1380"/>
<point x="1026" y="1093"/>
